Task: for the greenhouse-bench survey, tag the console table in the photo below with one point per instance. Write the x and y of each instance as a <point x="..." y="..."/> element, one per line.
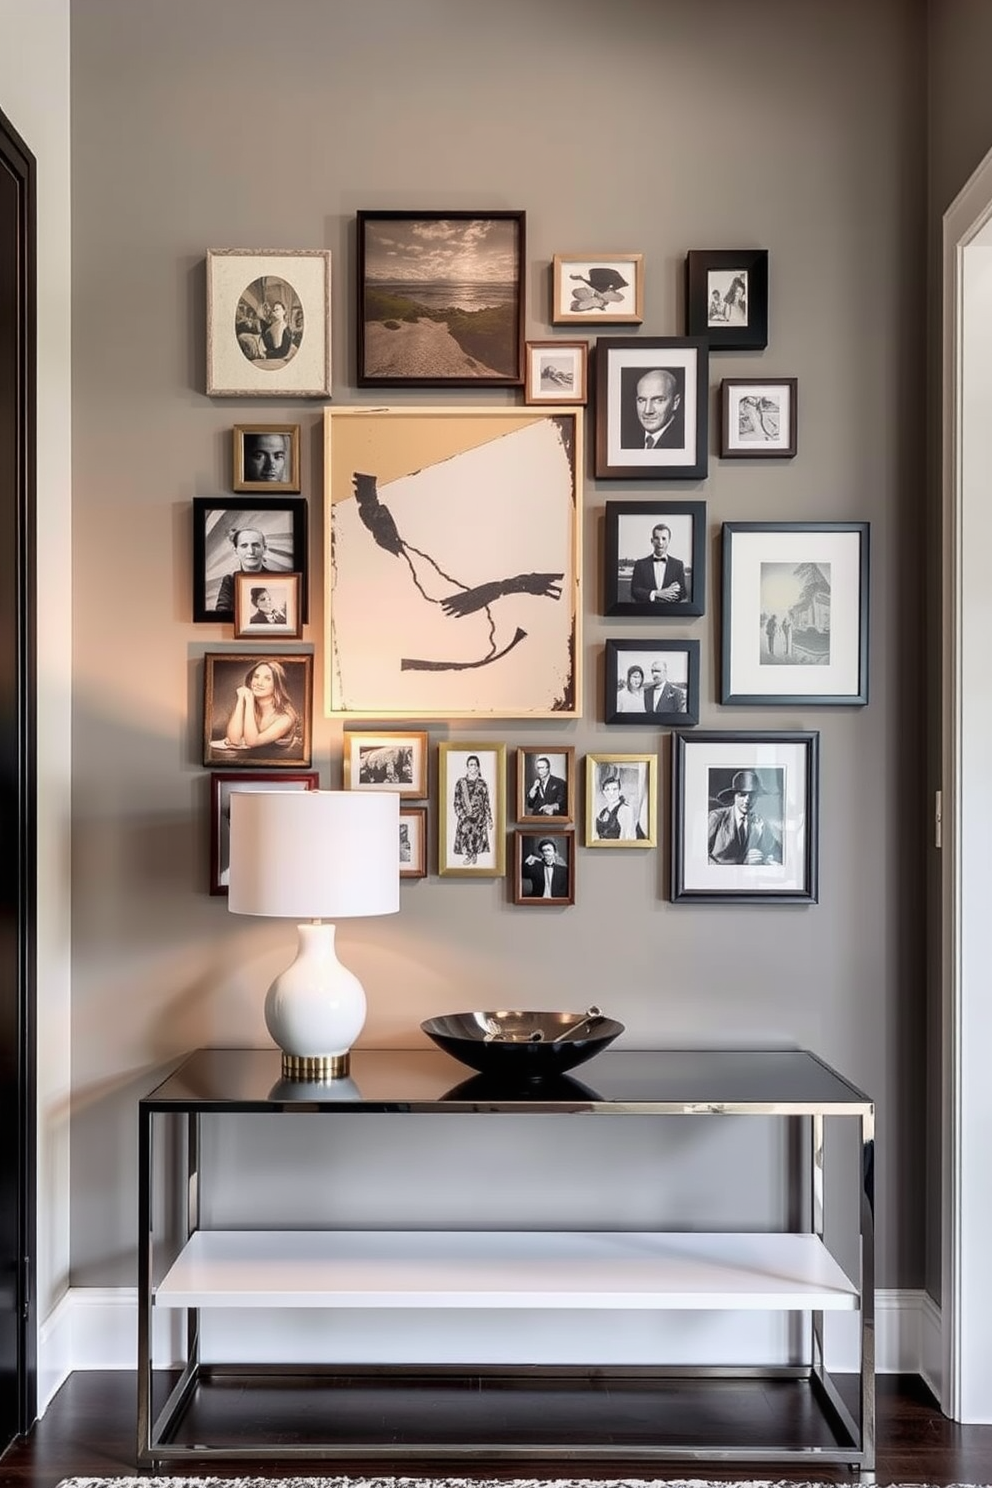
<point x="626" y="1413"/>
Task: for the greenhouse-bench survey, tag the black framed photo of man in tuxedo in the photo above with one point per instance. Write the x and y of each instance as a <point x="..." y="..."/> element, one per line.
<point x="651" y="407"/>
<point x="654" y="556"/>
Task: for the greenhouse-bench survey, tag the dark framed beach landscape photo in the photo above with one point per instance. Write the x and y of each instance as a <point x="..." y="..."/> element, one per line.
<point x="745" y="812"/>
<point x="621" y="800"/>
<point x="758" y="418"/>
<point x="413" y="841"/>
<point x="795" y="613"/>
<point x="266" y="457"/>
<point x="452" y="590"/>
<point x="544" y="868"/>
<point x="652" y="398"/>
<point x="221" y="786"/>
<point x="654" y="558"/>
<point x="546" y="784"/>
<point x="269" y="323"/>
<point x="390" y="761"/>
<point x="269" y="608"/>
<point x="597" y="289"/>
<point x="556" y="372"/>
<point x="471" y="794"/>
<point x="264" y="536"/>
<point x="257" y="709"/>
<point x="440" y="299"/>
<point x="726" y="297"/>
<point x="651" y="682"/>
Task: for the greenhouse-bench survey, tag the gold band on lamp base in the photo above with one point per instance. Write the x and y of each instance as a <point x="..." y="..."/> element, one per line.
<point x="315" y="1066"/>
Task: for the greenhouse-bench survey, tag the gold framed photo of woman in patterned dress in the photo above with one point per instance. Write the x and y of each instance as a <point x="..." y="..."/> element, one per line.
<point x="471" y="785"/>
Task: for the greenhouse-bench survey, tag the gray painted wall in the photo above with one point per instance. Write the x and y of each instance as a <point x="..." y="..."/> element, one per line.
<point x="655" y="127"/>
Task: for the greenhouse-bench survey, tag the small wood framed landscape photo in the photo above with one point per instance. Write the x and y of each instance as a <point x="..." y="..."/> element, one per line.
<point x="257" y="709"/>
<point x="221" y="786"/>
<point x="652" y="682"/>
<point x="546" y="784"/>
<point x="597" y="289"/>
<point x="413" y="842"/>
<point x="471" y="793"/>
<point x="652" y="397"/>
<point x="267" y="608"/>
<point x="266" y="457"/>
<point x="264" y="536"/>
<point x="621" y="800"/>
<point x="726" y="297"/>
<point x="556" y="372"/>
<point x="269" y="323"/>
<point x="392" y="761"/>
<point x="758" y="418"/>
<point x="544" y="868"/>
<point x="654" y="556"/>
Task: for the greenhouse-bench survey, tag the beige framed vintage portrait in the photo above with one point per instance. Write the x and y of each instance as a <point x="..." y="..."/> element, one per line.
<point x="269" y="323"/>
<point x="544" y="868"/>
<point x="391" y="761"/>
<point x="471" y="793"/>
<point x="597" y="289"/>
<point x="413" y="841"/>
<point x="621" y="800"/>
<point x="268" y="605"/>
<point x="265" y="457"/>
<point x="556" y="372"/>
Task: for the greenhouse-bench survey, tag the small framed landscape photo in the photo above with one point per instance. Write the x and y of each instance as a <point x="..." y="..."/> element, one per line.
<point x="758" y="418"/>
<point x="257" y="709"/>
<point x="621" y="800"/>
<point x="471" y="792"/>
<point x="652" y="682"/>
<point x="393" y="761"/>
<point x="269" y="323"/>
<point x="413" y="842"/>
<point x="264" y="536"/>
<point x="654" y="556"/>
<point x="598" y="288"/>
<point x="795" y="613"/>
<point x="270" y="608"/>
<point x="556" y="372"/>
<point x="652" y="399"/>
<point x="546" y="784"/>
<point x="745" y="811"/>
<point x="221" y="786"/>
<point x="544" y="868"/>
<point x="266" y="457"/>
<point x="726" y="297"/>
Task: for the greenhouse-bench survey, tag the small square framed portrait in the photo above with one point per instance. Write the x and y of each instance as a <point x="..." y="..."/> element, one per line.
<point x="544" y="868"/>
<point x="413" y="842"/>
<point x="726" y="297"/>
<point x="471" y="791"/>
<point x="651" y="407"/>
<point x="392" y="761"/>
<point x="269" y="323"/>
<point x="556" y="372"/>
<point x="271" y="608"/>
<point x="745" y="811"/>
<point x="257" y="709"/>
<point x="597" y="288"/>
<point x="758" y="418"/>
<point x="546" y="784"/>
<point x="266" y="457"/>
<point x="221" y="787"/>
<point x="264" y="536"/>
<point x="654" y="556"/>
<point x="621" y="800"/>
<point x="795" y="613"/>
<point x="652" y="682"/>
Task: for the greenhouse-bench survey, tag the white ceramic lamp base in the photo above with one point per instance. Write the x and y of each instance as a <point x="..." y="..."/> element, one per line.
<point x="315" y="1009"/>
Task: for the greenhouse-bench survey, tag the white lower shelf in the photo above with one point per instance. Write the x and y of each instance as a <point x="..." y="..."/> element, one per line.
<point x="532" y="1269"/>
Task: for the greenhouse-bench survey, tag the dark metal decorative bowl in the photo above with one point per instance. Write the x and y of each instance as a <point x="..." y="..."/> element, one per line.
<point x="515" y="1046"/>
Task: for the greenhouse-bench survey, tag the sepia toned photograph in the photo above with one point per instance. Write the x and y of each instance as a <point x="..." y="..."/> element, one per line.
<point x="652" y="407"/>
<point x="269" y="323"/>
<point x="546" y="784"/>
<point x="257" y="709"/>
<point x="221" y="787"/>
<point x="271" y="608"/>
<point x="471" y="791"/>
<point x="390" y="761"/>
<point x="266" y="457"/>
<point x="601" y="289"/>
<point x="651" y="682"/>
<point x="654" y="557"/>
<point x="621" y="800"/>
<point x="758" y="418"/>
<point x="544" y="868"/>
<point x="413" y="842"/>
<point x="727" y="297"/>
<point x="556" y="372"/>
<point x="263" y="537"/>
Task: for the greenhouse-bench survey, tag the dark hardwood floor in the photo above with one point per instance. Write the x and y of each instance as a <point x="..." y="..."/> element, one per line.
<point x="88" y="1431"/>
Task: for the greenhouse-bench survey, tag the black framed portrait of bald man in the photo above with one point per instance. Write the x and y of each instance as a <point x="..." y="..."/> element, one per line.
<point x="651" y="407"/>
<point x="266" y="457"/>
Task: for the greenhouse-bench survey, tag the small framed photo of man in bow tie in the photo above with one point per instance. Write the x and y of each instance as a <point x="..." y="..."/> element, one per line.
<point x="651" y="407"/>
<point x="655" y="558"/>
<point x="544" y="868"/>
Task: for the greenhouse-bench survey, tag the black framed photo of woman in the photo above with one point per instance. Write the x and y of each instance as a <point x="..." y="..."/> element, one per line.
<point x="471" y="837"/>
<point x="652" y="407"/>
<point x="654" y="555"/>
<point x="257" y="709"/>
<point x="726" y="297"/>
<point x="266" y="535"/>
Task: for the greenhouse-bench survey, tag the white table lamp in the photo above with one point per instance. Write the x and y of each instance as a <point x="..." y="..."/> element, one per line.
<point x="317" y="856"/>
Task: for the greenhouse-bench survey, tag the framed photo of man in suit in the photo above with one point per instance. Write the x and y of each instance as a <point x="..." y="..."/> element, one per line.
<point x="652" y="398"/>
<point x="654" y="556"/>
<point x="544" y="868"/>
<point x="652" y="683"/>
<point x="546" y="784"/>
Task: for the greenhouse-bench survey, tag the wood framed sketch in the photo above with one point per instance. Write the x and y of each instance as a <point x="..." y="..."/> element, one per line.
<point x="745" y="810"/>
<point x="654" y="557"/>
<point x="264" y="536"/>
<point x="391" y="761"/>
<point x="267" y="606"/>
<point x="556" y="372"/>
<point x="413" y="841"/>
<point x="726" y="297"/>
<point x="651" y="407"/>
<point x="221" y="786"/>
<point x="546" y="784"/>
<point x="452" y="562"/>
<point x="795" y="613"/>
<point x="544" y="868"/>
<point x="652" y="682"/>
<point x="621" y="800"/>
<point x="471" y="792"/>
<point x="601" y="289"/>
<point x="266" y="457"/>
<point x="440" y="299"/>
<point x="758" y="418"/>
<point x="269" y="323"/>
<point x="257" y="709"/>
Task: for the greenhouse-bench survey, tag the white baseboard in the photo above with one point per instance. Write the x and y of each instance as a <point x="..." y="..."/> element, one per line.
<point x="932" y="1347"/>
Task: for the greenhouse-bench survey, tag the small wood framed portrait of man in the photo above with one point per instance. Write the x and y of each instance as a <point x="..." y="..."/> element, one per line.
<point x="544" y="868"/>
<point x="546" y="784"/>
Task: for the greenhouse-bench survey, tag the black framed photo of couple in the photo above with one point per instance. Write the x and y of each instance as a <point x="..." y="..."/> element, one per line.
<point x="556" y="372"/>
<point x="621" y="800"/>
<point x="266" y="457"/>
<point x="652" y="398"/>
<point x="597" y="289"/>
<point x="257" y="709"/>
<point x="726" y="297"/>
<point x="221" y="786"/>
<point x="652" y="682"/>
<point x="544" y="868"/>
<point x="546" y="784"/>
<point x="269" y="608"/>
<point x="654" y="556"/>
<point x="745" y="813"/>
<point x="795" y="613"/>
<point x="758" y="418"/>
<point x="440" y="299"/>
<point x="391" y="761"/>
<point x="413" y="841"/>
<point x="269" y="323"/>
<point x="471" y="792"/>
<point x="264" y="536"/>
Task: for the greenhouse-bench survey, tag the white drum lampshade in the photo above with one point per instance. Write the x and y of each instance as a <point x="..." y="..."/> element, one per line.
<point x="317" y="856"/>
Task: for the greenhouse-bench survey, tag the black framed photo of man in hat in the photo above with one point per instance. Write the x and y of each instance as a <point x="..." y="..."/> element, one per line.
<point x="599" y="289"/>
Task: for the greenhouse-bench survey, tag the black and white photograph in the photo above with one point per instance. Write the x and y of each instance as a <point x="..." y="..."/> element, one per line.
<point x="758" y="418"/>
<point x="556" y="372"/>
<point x="270" y="608"/>
<point x="654" y="556"/>
<point x="269" y="323"/>
<point x="795" y="621"/>
<point x="544" y="868"/>
<point x="221" y="786"/>
<point x="745" y="817"/>
<point x="651" y="682"/>
<point x="727" y="297"/>
<point x="601" y="289"/>
<point x="257" y="709"/>
<point x="390" y="761"/>
<point x="621" y="800"/>
<point x="413" y="842"/>
<point x="546" y="784"/>
<point x="266" y="457"/>
<point x="651" y="407"/>
<point x="262" y="537"/>
<point x="471" y="788"/>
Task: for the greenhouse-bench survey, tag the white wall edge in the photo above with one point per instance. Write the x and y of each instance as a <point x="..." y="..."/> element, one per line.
<point x="932" y="1347"/>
